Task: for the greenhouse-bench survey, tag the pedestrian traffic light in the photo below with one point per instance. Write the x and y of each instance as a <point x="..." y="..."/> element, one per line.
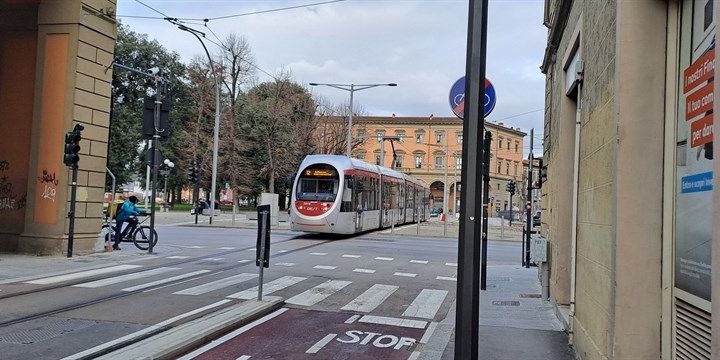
<point x="194" y="173"/>
<point x="72" y="146"/>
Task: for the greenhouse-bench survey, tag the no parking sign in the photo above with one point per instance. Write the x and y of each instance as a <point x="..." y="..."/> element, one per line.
<point x="457" y="98"/>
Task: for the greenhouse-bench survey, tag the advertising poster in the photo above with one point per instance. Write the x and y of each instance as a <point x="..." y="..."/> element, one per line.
<point x="693" y="211"/>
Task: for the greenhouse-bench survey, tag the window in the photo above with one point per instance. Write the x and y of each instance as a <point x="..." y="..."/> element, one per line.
<point x="419" y="138"/>
<point x="508" y="146"/>
<point x="377" y="159"/>
<point x="380" y="135"/>
<point x="400" y="134"/>
<point x="517" y="146"/>
<point x="438" y="138"/>
<point x="459" y="139"/>
<point x="418" y="161"/>
<point x="439" y="161"/>
<point x="458" y="162"/>
<point x="516" y="168"/>
<point x="499" y="167"/>
<point x="507" y="168"/>
<point x="360" y="155"/>
<point x="500" y="143"/>
<point x="399" y="160"/>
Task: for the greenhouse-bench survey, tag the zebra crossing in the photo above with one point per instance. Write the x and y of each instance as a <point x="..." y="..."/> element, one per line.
<point x="425" y="305"/>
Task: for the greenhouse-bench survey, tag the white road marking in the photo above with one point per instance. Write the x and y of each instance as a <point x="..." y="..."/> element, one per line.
<point x="226" y="248"/>
<point x="427" y="304"/>
<point x="196" y="247"/>
<point x="324" y="267"/>
<point x="446" y="278"/>
<point x="165" y="281"/>
<point x="371" y="298"/>
<point x="127" y="277"/>
<point x="352" y="319"/>
<point x="319" y="345"/>
<point x="213" y="259"/>
<point x="177" y="257"/>
<point x="82" y="274"/>
<point x="244" y="261"/>
<point x="232" y="335"/>
<point x="451" y="264"/>
<point x="384" y="258"/>
<point x="405" y="274"/>
<point x="285" y="264"/>
<point x="351" y="256"/>
<point x="419" y="261"/>
<point x="318" y="293"/>
<point x="382" y="320"/>
<point x="318" y="253"/>
<point x="271" y="287"/>
<point x="367" y="271"/>
<point x="218" y="284"/>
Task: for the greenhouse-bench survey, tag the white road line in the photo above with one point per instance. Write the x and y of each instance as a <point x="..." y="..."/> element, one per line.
<point x="177" y="257"/>
<point x="384" y="258"/>
<point x="196" y="247"/>
<point x="213" y="259"/>
<point x="405" y="274"/>
<point x="367" y="271"/>
<point x="352" y="319"/>
<point x="451" y="264"/>
<point x="318" y="293"/>
<point x="324" y="267"/>
<point x="446" y="278"/>
<point x="285" y="264"/>
<point x="82" y="274"/>
<point x="244" y="261"/>
<point x="351" y="256"/>
<point x="226" y="248"/>
<point x="318" y="253"/>
<point x="269" y="288"/>
<point x="218" y="284"/>
<point x="92" y="352"/>
<point x="232" y="335"/>
<point x="419" y="261"/>
<point x="127" y="277"/>
<point x="319" y="345"/>
<point x="427" y="304"/>
<point x="165" y="281"/>
<point x="382" y="320"/>
<point x="371" y="298"/>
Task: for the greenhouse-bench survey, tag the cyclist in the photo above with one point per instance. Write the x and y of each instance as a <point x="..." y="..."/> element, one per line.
<point x="126" y="214"/>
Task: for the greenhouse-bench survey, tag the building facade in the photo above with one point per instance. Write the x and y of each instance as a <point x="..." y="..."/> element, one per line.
<point x="55" y="72"/>
<point x="629" y="206"/>
<point x="430" y="148"/>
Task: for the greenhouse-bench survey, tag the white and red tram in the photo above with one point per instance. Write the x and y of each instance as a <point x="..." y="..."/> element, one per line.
<point x="340" y="195"/>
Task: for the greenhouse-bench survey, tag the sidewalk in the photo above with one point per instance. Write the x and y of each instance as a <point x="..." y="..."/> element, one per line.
<point x="515" y="322"/>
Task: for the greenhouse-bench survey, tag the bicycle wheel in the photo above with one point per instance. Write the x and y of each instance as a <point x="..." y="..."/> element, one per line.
<point x="141" y="237"/>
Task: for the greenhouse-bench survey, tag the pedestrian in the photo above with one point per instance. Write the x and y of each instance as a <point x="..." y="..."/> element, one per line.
<point x="126" y="214"/>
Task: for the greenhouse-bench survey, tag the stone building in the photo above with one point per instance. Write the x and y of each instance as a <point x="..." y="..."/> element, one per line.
<point x="55" y="72"/>
<point x="629" y="207"/>
<point x="430" y="148"/>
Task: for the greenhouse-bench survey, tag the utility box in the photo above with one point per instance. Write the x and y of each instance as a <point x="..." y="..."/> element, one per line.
<point x="272" y="200"/>
<point x="539" y="250"/>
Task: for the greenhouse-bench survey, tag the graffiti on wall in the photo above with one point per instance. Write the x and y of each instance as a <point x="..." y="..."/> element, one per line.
<point x="50" y="182"/>
<point x="8" y="198"/>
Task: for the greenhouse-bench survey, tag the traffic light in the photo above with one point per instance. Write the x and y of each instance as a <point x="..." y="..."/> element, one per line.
<point x="72" y="146"/>
<point x="511" y="187"/>
<point x="194" y="173"/>
<point x="542" y="175"/>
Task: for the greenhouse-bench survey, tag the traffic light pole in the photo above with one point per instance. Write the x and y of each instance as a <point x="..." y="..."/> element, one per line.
<point x="485" y="200"/>
<point x="528" y="207"/>
<point x="71" y="213"/>
<point x="155" y="157"/>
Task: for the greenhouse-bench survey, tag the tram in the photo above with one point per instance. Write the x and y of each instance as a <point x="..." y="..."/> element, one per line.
<point x="341" y="195"/>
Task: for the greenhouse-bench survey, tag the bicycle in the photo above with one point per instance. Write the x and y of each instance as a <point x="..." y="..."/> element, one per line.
<point x="140" y="236"/>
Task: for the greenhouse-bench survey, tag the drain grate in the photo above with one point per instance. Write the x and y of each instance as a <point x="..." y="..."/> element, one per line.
<point x="530" y="296"/>
<point x="48" y="329"/>
<point x="506" y="303"/>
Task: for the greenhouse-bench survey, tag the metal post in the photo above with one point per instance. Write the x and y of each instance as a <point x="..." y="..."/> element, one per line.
<point x="147" y="177"/>
<point x="349" y="132"/>
<point x="528" y="207"/>
<point x="155" y="157"/>
<point x="71" y="214"/>
<point x="485" y="201"/>
<point x="445" y="189"/>
<point x="263" y="226"/>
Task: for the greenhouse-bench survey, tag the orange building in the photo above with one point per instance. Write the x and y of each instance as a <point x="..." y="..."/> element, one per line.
<point x="430" y="148"/>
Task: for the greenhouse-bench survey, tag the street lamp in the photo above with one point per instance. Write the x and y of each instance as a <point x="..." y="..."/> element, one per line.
<point x="351" y="88"/>
<point x="165" y="172"/>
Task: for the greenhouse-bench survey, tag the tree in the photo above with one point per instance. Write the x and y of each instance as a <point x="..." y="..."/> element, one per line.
<point x="278" y="117"/>
<point x="125" y="154"/>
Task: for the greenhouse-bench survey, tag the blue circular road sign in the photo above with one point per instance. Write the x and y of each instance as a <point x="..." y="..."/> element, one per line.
<point x="457" y="98"/>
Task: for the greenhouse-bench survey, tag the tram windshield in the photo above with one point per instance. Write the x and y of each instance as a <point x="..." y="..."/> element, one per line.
<point x="318" y="185"/>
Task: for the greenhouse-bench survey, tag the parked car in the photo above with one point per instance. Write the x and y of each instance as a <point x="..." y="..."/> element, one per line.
<point x="243" y="202"/>
<point x="536" y="218"/>
<point x="435" y="212"/>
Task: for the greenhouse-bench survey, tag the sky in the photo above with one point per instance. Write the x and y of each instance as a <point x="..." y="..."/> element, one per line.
<point x="418" y="44"/>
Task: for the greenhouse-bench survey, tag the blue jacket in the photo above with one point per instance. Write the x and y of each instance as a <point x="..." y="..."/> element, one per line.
<point x="128" y="209"/>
